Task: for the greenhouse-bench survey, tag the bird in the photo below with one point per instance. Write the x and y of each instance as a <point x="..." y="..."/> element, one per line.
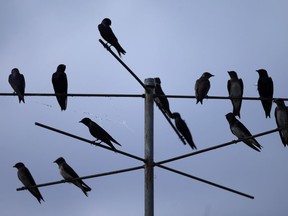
<point x="60" y="85"/>
<point x="26" y="178"/>
<point x="235" y="90"/>
<point x="240" y="131"/>
<point x="162" y="102"/>
<point x="17" y="82"/>
<point x="99" y="133"/>
<point x="108" y="35"/>
<point x="202" y="87"/>
<point x="183" y="129"/>
<point x="281" y="116"/>
<point x="265" y="89"/>
<point x="68" y="174"/>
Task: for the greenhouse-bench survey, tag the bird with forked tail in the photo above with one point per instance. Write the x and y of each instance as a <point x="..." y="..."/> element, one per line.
<point x="108" y="35"/>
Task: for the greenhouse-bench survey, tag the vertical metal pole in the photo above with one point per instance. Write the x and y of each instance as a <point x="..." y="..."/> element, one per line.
<point x="149" y="152"/>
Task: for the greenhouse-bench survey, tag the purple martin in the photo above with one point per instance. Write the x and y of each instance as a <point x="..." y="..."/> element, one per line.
<point x="60" y="85"/>
<point x="68" y="174"/>
<point x="183" y="129"/>
<point x="17" y="82"/>
<point x="281" y="116"/>
<point x="26" y="178"/>
<point x="265" y="89"/>
<point x="235" y="90"/>
<point x="240" y="131"/>
<point x="99" y="133"/>
<point x="202" y="87"/>
<point x="162" y="102"/>
<point x="107" y="33"/>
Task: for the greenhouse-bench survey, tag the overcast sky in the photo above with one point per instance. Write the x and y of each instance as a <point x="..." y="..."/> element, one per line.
<point x="174" y="40"/>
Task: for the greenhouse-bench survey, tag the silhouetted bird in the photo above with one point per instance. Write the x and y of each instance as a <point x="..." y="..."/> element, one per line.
<point x="26" y="178"/>
<point x="108" y="35"/>
<point x="99" y="133"/>
<point x="202" y="87"/>
<point x="68" y="174"/>
<point x="235" y="89"/>
<point x="265" y="89"/>
<point x="240" y="131"/>
<point x="17" y="82"/>
<point x="60" y="85"/>
<point x="162" y="102"/>
<point x="281" y="116"/>
<point x="183" y="129"/>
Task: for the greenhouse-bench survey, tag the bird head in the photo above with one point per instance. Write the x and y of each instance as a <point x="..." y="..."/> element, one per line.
<point x="19" y="165"/>
<point x="233" y="74"/>
<point x="15" y="71"/>
<point x="85" y="121"/>
<point x="176" y="115"/>
<point x="106" y="21"/>
<point x="230" y="117"/>
<point x="59" y="160"/>
<point x="279" y="102"/>
<point x="61" y="67"/>
<point x="157" y="80"/>
<point x="207" y="75"/>
<point x="262" y="72"/>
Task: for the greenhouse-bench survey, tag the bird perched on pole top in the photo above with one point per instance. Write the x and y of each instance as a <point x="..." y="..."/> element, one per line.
<point x="26" y="178"/>
<point x="17" y="82"/>
<point x="99" y="133"/>
<point x="235" y="90"/>
<point x="240" y="131"/>
<point x="160" y="99"/>
<point x="60" y="85"/>
<point x="265" y="89"/>
<point x="281" y="117"/>
<point x="202" y="87"/>
<point x="183" y="129"/>
<point x="108" y="35"/>
<point x="68" y="174"/>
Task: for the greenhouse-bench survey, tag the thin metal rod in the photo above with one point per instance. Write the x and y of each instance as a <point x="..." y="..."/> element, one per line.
<point x="137" y="95"/>
<point x="76" y="95"/>
<point x="215" y="147"/>
<point x="84" y="177"/>
<point x="207" y="182"/>
<point x="221" y="97"/>
<point x="123" y="64"/>
<point x="149" y="149"/>
<point x="88" y="141"/>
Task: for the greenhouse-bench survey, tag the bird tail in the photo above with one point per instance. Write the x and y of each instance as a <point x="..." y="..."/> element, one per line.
<point x="85" y="188"/>
<point x="119" y="49"/>
<point x="21" y="98"/>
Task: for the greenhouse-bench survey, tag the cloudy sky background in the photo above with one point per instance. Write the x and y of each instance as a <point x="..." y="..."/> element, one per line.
<point x="176" y="41"/>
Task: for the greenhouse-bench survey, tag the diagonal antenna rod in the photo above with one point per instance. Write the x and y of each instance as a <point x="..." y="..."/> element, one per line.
<point x="83" y="177"/>
<point x="124" y="65"/>
<point x="205" y="181"/>
<point x="88" y="141"/>
<point x="216" y="147"/>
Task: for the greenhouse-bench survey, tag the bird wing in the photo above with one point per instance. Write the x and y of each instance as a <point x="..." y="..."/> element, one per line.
<point x="184" y="130"/>
<point x="229" y="87"/>
<point x="98" y="132"/>
<point x="60" y="82"/>
<point x="67" y="172"/>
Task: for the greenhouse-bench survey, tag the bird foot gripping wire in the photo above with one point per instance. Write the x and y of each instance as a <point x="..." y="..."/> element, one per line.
<point x="105" y="45"/>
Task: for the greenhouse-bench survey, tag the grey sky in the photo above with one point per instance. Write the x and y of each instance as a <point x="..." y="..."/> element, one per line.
<point x="176" y="41"/>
